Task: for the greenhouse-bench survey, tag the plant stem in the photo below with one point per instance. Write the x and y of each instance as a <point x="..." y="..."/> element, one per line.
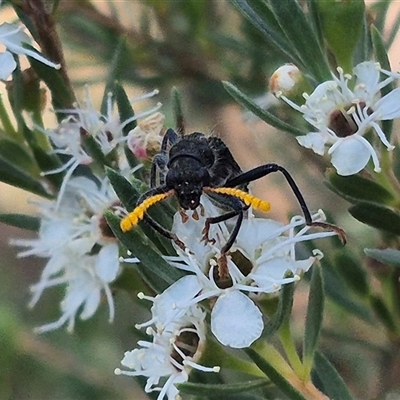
<point x="287" y="342"/>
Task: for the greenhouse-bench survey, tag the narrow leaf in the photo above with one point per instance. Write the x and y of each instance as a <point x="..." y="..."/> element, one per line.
<point x="124" y="108"/>
<point x="356" y="187"/>
<point x="141" y="248"/>
<point x="284" y="308"/>
<point x="265" y="115"/>
<point x="338" y="292"/>
<point x="279" y="380"/>
<point x="126" y="191"/>
<point x="315" y="310"/>
<point x="377" y="216"/>
<point x="264" y="20"/>
<point x="383" y="312"/>
<point x="16" y="154"/>
<point x="178" y="112"/>
<point x="62" y="97"/>
<point x="14" y="176"/>
<point x="334" y="386"/>
<point x="21" y="221"/>
<point x="113" y="74"/>
<point x="385" y="256"/>
<point x="292" y="20"/>
<point x="223" y="390"/>
<point x="353" y="272"/>
<point x="94" y="149"/>
<point x="47" y="162"/>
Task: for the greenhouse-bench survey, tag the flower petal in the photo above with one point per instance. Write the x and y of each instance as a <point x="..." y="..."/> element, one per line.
<point x="315" y="141"/>
<point x="350" y="156"/>
<point x="170" y="304"/>
<point x="107" y="263"/>
<point x="7" y="65"/>
<point x="367" y="84"/>
<point x="235" y="320"/>
<point x="388" y="106"/>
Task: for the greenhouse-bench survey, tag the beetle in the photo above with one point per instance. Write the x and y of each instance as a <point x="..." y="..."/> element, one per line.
<point x="190" y="165"/>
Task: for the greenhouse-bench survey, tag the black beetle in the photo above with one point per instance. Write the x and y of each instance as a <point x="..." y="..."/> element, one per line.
<point x="194" y="164"/>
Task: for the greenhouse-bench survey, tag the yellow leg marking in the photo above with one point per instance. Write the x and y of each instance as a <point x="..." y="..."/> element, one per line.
<point x="247" y="198"/>
<point x="133" y="218"/>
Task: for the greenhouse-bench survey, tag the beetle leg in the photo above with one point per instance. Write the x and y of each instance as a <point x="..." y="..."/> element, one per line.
<point x="263" y="170"/>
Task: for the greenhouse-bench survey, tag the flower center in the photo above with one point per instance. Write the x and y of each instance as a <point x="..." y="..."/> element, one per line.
<point x="187" y="342"/>
<point x="105" y="229"/>
<point x="224" y="280"/>
<point x="342" y="122"/>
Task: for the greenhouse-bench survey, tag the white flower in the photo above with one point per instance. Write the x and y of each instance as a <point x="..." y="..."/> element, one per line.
<point x="343" y="111"/>
<point x="257" y="263"/>
<point x="12" y="37"/>
<point x="85" y="121"/>
<point x="81" y="250"/>
<point x="170" y="356"/>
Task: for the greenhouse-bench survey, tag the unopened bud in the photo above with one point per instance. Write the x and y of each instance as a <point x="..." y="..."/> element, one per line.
<point x="288" y="81"/>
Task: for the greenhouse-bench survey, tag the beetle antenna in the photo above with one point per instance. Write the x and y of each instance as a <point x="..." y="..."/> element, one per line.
<point x="134" y="217"/>
<point x="247" y="198"/>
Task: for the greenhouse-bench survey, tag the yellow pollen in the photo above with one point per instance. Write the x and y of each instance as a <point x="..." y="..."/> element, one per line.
<point x="247" y="198"/>
<point x="133" y="218"/>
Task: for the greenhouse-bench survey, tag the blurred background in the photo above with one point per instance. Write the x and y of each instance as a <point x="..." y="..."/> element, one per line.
<point x="192" y="45"/>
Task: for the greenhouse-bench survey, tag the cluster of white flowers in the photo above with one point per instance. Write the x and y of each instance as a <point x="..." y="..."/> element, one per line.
<point x="82" y="252"/>
<point x="262" y="259"/>
<point x="343" y="110"/>
<point x="106" y="130"/>
<point x="176" y="347"/>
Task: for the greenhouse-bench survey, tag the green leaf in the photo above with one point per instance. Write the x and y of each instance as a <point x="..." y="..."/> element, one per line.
<point x="338" y="292"/>
<point x="342" y="23"/>
<point x="21" y="221"/>
<point x="284" y="308"/>
<point x="333" y="385"/>
<point x="47" y="162"/>
<point x="355" y="187"/>
<point x="382" y="57"/>
<point x="352" y="271"/>
<point x="125" y="109"/>
<point x="62" y="96"/>
<point x="16" y="154"/>
<point x="383" y="312"/>
<point x="113" y="74"/>
<point x="178" y="112"/>
<point x="223" y="390"/>
<point x="265" y="115"/>
<point x="14" y="176"/>
<point x="94" y="149"/>
<point x="314" y="317"/>
<point x="127" y="192"/>
<point x="377" y="216"/>
<point x="152" y="260"/>
<point x="315" y="19"/>
<point x="384" y="256"/>
<point x="279" y="380"/>
<point x="263" y="19"/>
<point x="301" y="35"/>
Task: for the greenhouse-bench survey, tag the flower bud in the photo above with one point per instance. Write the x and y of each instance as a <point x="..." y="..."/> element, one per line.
<point x="288" y="81"/>
<point x="145" y="140"/>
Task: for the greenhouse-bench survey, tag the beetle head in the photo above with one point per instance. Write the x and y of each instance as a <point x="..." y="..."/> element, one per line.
<point x="188" y="184"/>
